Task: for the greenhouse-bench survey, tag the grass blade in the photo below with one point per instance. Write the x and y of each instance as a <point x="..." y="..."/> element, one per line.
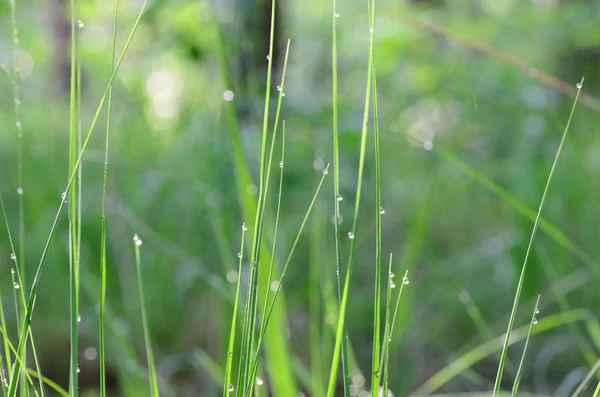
<point x="337" y="196"/>
<point x="102" y="344"/>
<point x="149" y="353"/>
<point x="587" y="379"/>
<point x="316" y="342"/>
<point x="263" y="329"/>
<point x="532" y="238"/>
<point x="36" y="279"/>
<point x="375" y="363"/>
<point x="352" y="234"/>
<point x="597" y="392"/>
<point x="533" y="322"/>
<point x="227" y="388"/>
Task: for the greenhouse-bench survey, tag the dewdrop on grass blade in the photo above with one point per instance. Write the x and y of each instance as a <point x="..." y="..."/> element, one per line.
<point x="244" y="227"/>
<point x="259" y="381"/>
<point x="13" y="256"/>
<point x="137" y="239"/>
<point x="351" y="235"/>
<point x="405" y="280"/>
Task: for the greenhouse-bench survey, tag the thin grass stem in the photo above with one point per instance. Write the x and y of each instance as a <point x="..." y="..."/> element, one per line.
<point x="519" y="374"/>
<point x="532" y="238"/>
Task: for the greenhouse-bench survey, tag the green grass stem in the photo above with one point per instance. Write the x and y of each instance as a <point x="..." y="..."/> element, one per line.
<point x="533" y="322"/>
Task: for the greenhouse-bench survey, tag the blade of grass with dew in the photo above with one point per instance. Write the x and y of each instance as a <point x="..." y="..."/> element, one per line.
<point x="278" y="350"/>
<point x="277" y="215"/>
<point x="248" y="379"/>
<point x="386" y="333"/>
<point x="18" y="286"/>
<point x="104" y="226"/>
<point x="248" y="332"/>
<point x="36" y="279"/>
<point x="283" y="273"/>
<point x="20" y="313"/>
<point x="227" y="387"/>
<point x="73" y="214"/>
<point x="405" y="281"/>
<point x="376" y="356"/>
<point x="532" y="238"/>
<point x="314" y="303"/>
<point x="137" y="242"/>
<point x="587" y="379"/>
<point x="337" y="196"/>
<point x="342" y="313"/>
<point x="482" y="351"/>
<point x="533" y="322"/>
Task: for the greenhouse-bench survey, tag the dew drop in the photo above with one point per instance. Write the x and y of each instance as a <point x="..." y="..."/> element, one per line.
<point x="244" y="227"/>
<point x="13" y="256"/>
<point x="228" y="95"/>
<point x="275" y="285"/>
<point x="381" y="210"/>
<point x="281" y="164"/>
<point x="230" y="354"/>
<point x="537" y="311"/>
<point x="64" y="195"/>
<point x="79" y="318"/>
<point x="16" y="285"/>
<point x="392" y="275"/>
<point x="230" y="387"/>
<point x="579" y="85"/>
<point x="428" y="145"/>
<point x="339" y="197"/>
<point x="351" y="235"/>
<point x="138" y="242"/>
<point x="259" y="381"/>
<point x="78" y="369"/>
<point x="405" y="280"/>
<point x="80" y="24"/>
<point x="17" y="101"/>
<point x="392" y="285"/>
<point x="371" y="30"/>
<point x="18" y="124"/>
<point x="278" y="88"/>
<point x="240" y="255"/>
<point x="268" y="57"/>
<point x="336" y="14"/>
<point x="283" y="94"/>
<point x="325" y="171"/>
<point x="535" y="321"/>
<point x="20" y="191"/>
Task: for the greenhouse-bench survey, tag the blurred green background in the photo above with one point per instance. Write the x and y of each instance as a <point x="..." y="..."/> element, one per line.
<point x="488" y="82"/>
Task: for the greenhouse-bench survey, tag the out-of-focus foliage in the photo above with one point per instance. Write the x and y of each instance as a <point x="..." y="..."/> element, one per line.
<point x="172" y="176"/>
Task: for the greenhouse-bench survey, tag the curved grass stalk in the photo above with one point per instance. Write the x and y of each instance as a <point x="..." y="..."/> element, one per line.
<point x="352" y="234"/>
<point x="137" y="242"/>
<point x="103" y="270"/>
<point x="263" y="329"/>
<point x="532" y="238"/>
<point x="480" y="352"/>
<point x="229" y="361"/>
<point x="33" y="293"/>
<point x="533" y="322"/>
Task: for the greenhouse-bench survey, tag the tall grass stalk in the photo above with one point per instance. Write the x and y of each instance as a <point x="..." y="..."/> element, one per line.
<point x="268" y="314"/>
<point x="252" y="302"/>
<point x="352" y="234"/>
<point x="336" y="194"/>
<point x="317" y="342"/>
<point x="385" y="351"/>
<point x="533" y="322"/>
<point x="74" y="219"/>
<point x="33" y="293"/>
<point x="227" y="387"/>
<point x="137" y="242"/>
<point x="597" y="391"/>
<point x="532" y="238"/>
<point x="375" y="361"/>
<point x="103" y="260"/>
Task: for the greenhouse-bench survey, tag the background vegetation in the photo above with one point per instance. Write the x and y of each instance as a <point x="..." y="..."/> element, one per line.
<point x="473" y="99"/>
